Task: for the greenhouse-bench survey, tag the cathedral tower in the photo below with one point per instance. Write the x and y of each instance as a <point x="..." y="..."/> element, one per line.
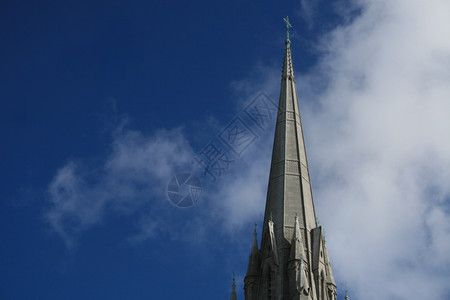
<point x="293" y="261"/>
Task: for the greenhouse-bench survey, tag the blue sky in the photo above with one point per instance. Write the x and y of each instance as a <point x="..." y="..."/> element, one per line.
<point x="104" y="102"/>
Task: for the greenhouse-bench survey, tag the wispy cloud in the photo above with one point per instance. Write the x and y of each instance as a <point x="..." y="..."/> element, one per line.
<point x="135" y="172"/>
<point x="376" y="120"/>
<point x="379" y="150"/>
<point x="308" y="11"/>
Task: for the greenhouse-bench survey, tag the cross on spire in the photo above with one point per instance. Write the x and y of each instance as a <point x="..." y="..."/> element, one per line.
<point x="288" y="25"/>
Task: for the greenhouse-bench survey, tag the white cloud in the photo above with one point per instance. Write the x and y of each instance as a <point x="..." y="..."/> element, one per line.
<point x="242" y="192"/>
<point x="379" y="149"/>
<point x="308" y="11"/>
<point x="136" y="170"/>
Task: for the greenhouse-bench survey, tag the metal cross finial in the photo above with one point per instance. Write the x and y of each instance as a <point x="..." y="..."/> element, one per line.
<point x="288" y="25"/>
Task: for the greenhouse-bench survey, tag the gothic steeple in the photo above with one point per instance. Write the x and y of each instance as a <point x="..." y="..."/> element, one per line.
<point x="293" y="261"/>
<point x="289" y="192"/>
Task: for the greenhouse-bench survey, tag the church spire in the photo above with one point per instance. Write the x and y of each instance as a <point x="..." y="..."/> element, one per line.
<point x="289" y="192"/>
<point x="292" y="262"/>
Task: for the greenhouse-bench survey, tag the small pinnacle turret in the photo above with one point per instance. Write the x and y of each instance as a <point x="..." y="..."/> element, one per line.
<point x="253" y="262"/>
<point x="297" y="250"/>
<point x="233" y="290"/>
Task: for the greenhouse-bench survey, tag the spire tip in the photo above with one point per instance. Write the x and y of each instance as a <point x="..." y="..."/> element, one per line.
<point x="288" y="25"/>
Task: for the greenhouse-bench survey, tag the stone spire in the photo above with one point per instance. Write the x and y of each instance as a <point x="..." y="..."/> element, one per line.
<point x="291" y="240"/>
<point x="289" y="192"/>
<point x="233" y="290"/>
